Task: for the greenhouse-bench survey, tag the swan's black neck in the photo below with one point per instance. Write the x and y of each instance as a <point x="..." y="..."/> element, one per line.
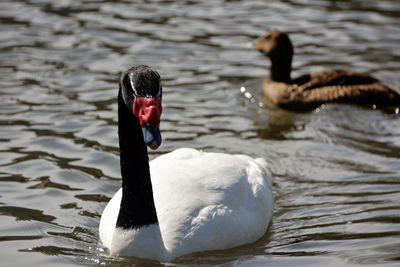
<point x="137" y="204"/>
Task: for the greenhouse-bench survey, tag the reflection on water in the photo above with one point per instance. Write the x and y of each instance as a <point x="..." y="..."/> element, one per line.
<point x="335" y="171"/>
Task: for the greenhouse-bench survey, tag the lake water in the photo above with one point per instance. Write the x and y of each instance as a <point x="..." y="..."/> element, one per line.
<point x="335" y="171"/>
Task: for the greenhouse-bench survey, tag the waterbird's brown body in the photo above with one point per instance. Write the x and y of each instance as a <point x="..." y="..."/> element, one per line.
<point x="309" y="91"/>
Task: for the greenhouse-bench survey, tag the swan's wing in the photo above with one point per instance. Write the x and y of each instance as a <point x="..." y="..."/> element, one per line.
<point x="209" y="201"/>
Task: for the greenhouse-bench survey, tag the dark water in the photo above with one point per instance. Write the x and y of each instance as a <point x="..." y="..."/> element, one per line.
<point x="335" y="171"/>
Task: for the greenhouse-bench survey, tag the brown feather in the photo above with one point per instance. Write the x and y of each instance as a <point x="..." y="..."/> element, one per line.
<point x="310" y="91"/>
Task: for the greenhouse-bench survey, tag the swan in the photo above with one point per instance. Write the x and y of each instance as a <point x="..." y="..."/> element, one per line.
<point x="309" y="91"/>
<point x="181" y="202"/>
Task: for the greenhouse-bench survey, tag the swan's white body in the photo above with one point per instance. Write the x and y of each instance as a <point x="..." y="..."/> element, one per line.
<point x="204" y="201"/>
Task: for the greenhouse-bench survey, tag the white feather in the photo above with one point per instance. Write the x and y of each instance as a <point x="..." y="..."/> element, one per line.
<point x="204" y="201"/>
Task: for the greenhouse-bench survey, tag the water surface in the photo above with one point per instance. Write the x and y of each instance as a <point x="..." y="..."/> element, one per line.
<point x="335" y="171"/>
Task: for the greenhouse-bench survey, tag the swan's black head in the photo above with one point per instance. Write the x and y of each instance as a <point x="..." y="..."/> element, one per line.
<point x="274" y="44"/>
<point x="141" y="91"/>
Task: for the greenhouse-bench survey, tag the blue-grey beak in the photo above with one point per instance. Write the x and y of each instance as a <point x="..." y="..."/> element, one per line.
<point x="152" y="136"/>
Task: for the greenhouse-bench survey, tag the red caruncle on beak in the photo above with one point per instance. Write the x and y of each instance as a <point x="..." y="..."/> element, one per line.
<point x="148" y="110"/>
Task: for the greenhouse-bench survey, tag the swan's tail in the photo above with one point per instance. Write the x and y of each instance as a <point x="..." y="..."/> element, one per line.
<point x="262" y="162"/>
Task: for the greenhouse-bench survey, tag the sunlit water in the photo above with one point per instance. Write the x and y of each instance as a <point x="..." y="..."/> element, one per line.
<point x="335" y="171"/>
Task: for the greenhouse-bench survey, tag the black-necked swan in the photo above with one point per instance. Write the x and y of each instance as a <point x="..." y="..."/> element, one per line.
<point x="181" y="202"/>
<point x="309" y="91"/>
